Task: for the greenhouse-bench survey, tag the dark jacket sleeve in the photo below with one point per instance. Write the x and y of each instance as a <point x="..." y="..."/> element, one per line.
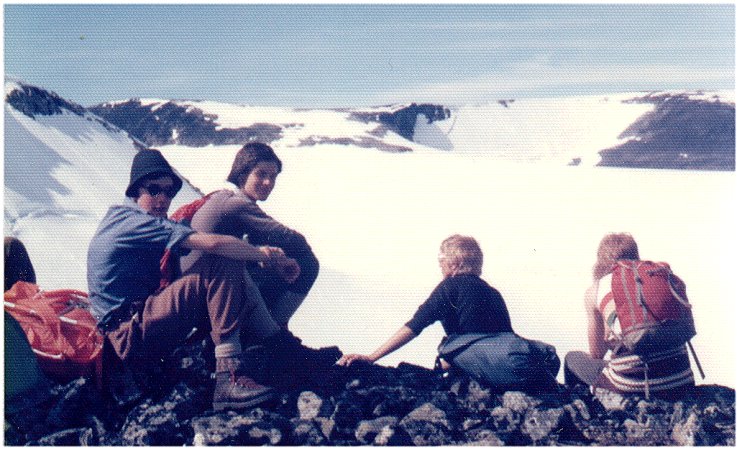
<point x="429" y="312"/>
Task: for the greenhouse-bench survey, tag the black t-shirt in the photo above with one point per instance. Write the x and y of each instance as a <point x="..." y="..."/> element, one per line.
<point x="463" y="304"/>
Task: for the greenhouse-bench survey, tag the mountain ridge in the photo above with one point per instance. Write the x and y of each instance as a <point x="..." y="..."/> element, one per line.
<point x="683" y="130"/>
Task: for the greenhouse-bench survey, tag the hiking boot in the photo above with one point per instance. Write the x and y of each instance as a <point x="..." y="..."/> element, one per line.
<point x="289" y="363"/>
<point x="234" y="389"/>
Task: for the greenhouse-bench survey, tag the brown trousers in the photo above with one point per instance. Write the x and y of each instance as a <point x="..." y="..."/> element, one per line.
<point x="210" y="294"/>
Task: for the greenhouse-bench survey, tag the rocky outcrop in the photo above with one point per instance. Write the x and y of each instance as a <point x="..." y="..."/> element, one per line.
<point x="402" y="121"/>
<point x="681" y="133"/>
<point x="371" y="405"/>
<point x="166" y="123"/>
<point x="171" y="123"/>
<point x="33" y="101"/>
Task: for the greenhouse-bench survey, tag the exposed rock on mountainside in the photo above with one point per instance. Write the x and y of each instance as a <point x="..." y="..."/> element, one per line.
<point x="686" y="130"/>
<point x="165" y="123"/>
<point x="402" y="121"/>
<point x="372" y="405"/>
<point x="170" y="123"/>
<point x="681" y="133"/>
<point x="33" y="101"/>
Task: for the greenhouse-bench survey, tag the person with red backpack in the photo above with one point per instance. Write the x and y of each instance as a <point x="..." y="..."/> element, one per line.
<point x="638" y="314"/>
<point x="143" y="323"/>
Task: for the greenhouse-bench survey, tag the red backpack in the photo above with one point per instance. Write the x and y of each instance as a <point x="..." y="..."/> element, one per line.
<point x="652" y="307"/>
<point x="184" y="214"/>
<point x="60" y="330"/>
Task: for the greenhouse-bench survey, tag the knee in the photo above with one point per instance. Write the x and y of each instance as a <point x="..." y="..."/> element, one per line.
<point x="572" y="357"/>
<point x="309" y="268"/>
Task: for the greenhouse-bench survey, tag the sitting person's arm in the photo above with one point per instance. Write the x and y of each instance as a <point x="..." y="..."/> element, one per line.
<point x="234" y="248"/>
<point x="401" y="337"/>
<point x="596" y="330"/>
<point x="263" y="229"/>
<point x="428" y="313"/>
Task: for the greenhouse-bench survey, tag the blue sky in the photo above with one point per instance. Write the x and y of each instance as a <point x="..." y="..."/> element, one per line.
<point x="327" y="55"/>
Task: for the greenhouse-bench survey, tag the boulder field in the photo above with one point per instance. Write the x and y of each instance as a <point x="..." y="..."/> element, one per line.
<point x="368" y="405"/>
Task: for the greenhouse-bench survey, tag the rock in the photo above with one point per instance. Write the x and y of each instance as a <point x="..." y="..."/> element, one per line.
<point x="307" y="432"/>
<point x="155" y="124"/>
<point x="652" y="431"/>
<point x="71" y="403"/>
<point x="504" y="419"/>
<point x="685" y="433"/>
<point x="326" y="426"/>
<point x="611" y="401"/>
<point x="483" y="437"/>
<point x="160" y="423"/>
<point x="33" y="101"/>
<point x="253" y="428"/>
<point x="538" y="425"/>
<point x="347" y="414"/>
<point x="403" y="120"/>
<point x="519" y="402"/>
<point x="373" y="405"/>
<point x="427" y="425"/>
<point x="578" y="410"/>
<point x="479" y="397"/>
<point x="71" y="437"/>
<point x="368" y="430"/>
<point x="427" y="413"/>
<point x="309" y="405"/>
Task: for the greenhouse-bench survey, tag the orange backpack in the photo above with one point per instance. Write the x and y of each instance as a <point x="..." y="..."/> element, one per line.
<point x="60" y="329"/>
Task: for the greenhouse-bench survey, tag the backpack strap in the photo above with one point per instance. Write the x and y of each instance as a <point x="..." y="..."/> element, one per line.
<point x="640" y="293"/>
<point x="449" y="355"/>
<point x="677" y="296"/>
<point x="628" y="297"/>
<point x="696" y="359"/>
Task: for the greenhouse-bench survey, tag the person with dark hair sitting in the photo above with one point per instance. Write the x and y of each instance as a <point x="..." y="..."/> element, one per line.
<point x="236" y="213"/>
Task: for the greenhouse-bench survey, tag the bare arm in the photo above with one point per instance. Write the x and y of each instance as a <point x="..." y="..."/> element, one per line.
<point x="401" y="337"/>
<point x="596" y="330"/>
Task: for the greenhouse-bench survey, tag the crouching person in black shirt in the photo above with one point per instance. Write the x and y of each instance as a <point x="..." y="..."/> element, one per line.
<point x="480" y="339"/>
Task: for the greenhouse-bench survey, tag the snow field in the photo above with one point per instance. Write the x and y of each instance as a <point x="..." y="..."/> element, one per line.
<point x="376" y="221"/>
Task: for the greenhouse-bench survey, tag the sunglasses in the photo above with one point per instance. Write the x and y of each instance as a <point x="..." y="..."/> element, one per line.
<point x="155" y="189"/>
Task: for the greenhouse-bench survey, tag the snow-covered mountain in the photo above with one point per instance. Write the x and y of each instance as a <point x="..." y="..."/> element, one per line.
<point x="667" y="130"/>
<point x="375" y="205"/>
<point x="63" y="168"/>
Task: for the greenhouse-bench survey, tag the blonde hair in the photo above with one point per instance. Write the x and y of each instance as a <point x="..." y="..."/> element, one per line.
<point x="464" y="254"/>
<point x="613" y="247"/>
